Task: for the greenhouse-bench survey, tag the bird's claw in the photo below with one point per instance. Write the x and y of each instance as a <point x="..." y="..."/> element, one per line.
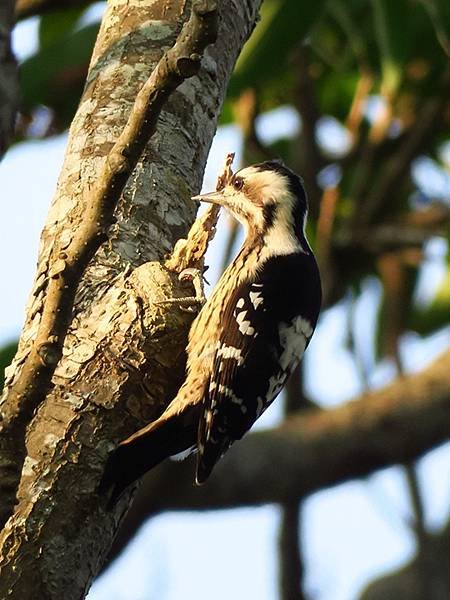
<point x="190" y="303"/>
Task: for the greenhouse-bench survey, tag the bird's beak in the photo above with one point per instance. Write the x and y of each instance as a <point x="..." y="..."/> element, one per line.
<point x="211" y="198"/>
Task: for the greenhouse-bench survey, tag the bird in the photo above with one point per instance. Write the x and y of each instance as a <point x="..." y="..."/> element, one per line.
<point x="246" y="340"/>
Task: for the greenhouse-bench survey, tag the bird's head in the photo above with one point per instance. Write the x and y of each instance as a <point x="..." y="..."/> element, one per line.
<point x="270" y="201"/>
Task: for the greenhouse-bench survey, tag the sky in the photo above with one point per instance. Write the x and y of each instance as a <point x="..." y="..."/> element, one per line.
<point x="352" y="532"/>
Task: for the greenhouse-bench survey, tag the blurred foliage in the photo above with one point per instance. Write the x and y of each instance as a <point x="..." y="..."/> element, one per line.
<point x="54" y="76"/>
<point x="270" y="47"/>
<point x="378" y="68"/>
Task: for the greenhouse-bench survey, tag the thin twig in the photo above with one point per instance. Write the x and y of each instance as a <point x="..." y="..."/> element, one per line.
<point x="356" y="112"/>
<point x="306" y="104"/>
<point x="290" y="558"/>
<point x="325" y="228"/>
<point x="419" y="526"/>
<point x="190" y="252"/>
<point x="246" y="110"/>
<point x="397" y="168"/>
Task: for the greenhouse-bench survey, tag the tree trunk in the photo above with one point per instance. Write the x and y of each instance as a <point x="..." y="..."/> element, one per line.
<point x="122" y="357"/>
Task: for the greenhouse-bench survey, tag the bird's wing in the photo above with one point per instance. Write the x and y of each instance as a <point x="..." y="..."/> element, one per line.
<point x="262" y="339"/>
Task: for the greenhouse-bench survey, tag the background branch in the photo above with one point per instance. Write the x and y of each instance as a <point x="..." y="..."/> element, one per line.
<point x="290" y="554"/>
<point x="309" y="451"/>
<point x="397" y="168"/>
<point x="28" y="8"/>
<point x="309" y="156"/>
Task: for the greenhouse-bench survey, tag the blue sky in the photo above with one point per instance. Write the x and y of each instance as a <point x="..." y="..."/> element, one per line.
<point x="351" y="533"/>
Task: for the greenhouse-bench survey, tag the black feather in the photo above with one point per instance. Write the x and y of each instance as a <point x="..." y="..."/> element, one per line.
<point x="145" y="449"/>
<point x="237" y="384"/>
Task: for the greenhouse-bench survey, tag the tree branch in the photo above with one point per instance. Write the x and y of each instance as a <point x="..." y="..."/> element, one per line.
<point x="28" y="8"/>
<point x="312" y="450"/>
<point x="310" y="157"/>
<point x="70" y="258"/>
<point x="406" y="581"/>
<point x="290" y="557"/>
<point x="398" y="166"/>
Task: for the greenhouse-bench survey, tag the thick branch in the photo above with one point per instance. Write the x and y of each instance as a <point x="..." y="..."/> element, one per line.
<point x="310" y="451"/>
<point x="385" y="238"/>
<point x="69" y="260"/>
<point x="122" y="357"/>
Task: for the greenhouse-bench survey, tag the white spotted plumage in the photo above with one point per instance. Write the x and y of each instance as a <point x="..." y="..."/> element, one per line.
<point x="245" y="325"/>
<point x="256" y="299"/>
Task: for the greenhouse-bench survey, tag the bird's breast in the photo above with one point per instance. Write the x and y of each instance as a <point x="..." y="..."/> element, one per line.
<point x="207" y="327"/>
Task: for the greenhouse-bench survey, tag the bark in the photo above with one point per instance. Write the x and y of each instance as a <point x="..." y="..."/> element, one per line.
<point x="311" y="451"/>
<point x="9" y="83"/>
<point x="121" y="359"/>
<point x="70" y="255"/>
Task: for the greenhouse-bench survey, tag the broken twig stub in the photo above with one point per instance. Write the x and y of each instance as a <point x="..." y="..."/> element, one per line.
<point x="190" y="252"/>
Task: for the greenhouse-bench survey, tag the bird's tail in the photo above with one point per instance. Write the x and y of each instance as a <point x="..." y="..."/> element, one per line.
<point x="145" y="449"/>
<point x="207" y="459"/>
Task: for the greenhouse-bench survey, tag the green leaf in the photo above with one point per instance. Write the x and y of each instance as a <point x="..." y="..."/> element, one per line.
<point x="437" y="315"/>
<point x="283" y="25"/>
<point x="55" y="75"/>
<point x="54" y="26"/>
<point x="388" y="20"/>
<point x="439" y="14"/>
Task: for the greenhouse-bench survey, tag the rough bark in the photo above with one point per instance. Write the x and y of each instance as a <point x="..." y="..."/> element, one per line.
<point x="71" y="254"/>
<point x="312" y="450"/>
<point x="121" y="358"/>
<point x="9" y="83"/>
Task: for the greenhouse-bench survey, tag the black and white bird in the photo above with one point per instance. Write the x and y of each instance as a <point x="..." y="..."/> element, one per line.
<point x="249" y="336"/>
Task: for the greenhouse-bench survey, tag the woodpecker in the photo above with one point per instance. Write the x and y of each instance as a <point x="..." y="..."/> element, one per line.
<point x="249" y="336"/>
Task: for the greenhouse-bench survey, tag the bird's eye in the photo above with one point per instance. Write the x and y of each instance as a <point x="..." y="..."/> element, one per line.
<point x="238" y="182"/>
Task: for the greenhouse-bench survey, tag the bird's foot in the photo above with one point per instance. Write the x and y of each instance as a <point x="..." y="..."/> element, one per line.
<point x="189" y="303"/>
